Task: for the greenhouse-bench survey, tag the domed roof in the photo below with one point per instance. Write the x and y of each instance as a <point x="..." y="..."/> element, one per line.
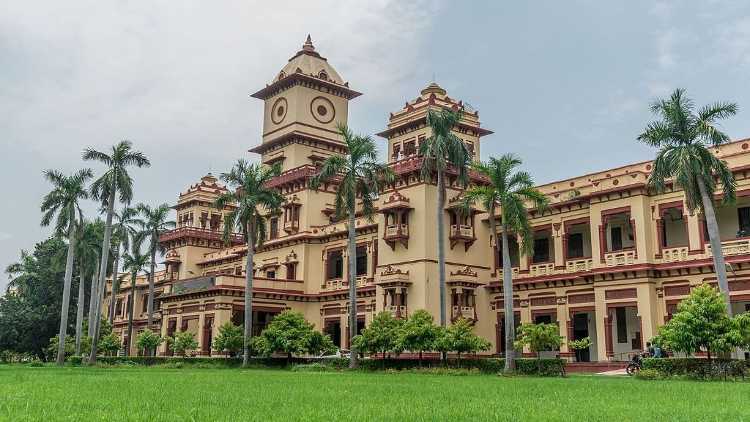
<point x="309" y="62"/>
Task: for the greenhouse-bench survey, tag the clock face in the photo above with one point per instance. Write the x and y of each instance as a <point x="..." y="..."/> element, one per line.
<point x="322" y="110"/>
<point x="278" y="111"/>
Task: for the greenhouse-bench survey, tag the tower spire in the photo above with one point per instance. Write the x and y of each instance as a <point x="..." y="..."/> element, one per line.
<point x="308" y="45"/>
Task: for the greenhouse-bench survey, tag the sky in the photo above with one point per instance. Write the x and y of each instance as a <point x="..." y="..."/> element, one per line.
<point x="565" y="85"/>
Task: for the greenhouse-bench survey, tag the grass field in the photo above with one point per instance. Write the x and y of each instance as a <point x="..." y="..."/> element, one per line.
<point x="154" y="394"/>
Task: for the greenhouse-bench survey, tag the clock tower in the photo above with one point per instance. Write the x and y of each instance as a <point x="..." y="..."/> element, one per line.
<point x="304" y="103"/>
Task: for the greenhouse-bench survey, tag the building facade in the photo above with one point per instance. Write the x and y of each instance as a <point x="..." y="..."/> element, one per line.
<point x="611" y="259"/>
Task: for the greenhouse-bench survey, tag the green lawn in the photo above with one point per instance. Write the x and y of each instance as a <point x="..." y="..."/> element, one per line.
<point x="153" y="394"/>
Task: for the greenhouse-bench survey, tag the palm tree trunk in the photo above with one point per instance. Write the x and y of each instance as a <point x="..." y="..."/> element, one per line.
<point x="92" y="300"/>
<point x="131" y="303"/>
<point x="493" y="231"/>
<point x="103" y="268"/>
<point x="150" y="304"/>
<point x="66" y="292"/>
<point x="248" y="295"/>
<point x="115" y="285"/>
<point x="79" y="311"/>
<point x="441" y="243"/>
<point x="715" y="240"/>
<point x="510" y="332"/>
<point x="352" y="285"/>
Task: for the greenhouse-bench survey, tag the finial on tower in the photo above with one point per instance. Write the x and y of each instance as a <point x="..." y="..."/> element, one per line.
<point x="308" y="45"/>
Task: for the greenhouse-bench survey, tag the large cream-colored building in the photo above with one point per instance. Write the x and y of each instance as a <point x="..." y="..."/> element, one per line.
<point x="611" y="260"/>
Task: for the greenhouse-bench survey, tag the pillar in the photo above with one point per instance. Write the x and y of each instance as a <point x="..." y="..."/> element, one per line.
<point x="600" y="314"/>
<point x="566" y="327"/>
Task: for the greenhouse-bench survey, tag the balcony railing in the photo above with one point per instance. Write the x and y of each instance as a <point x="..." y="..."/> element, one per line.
<point x="291" y="226"/>
<point x="396" y="230"/>
<point x="542" y="269"/>
<point x="334" y="284"/>
<point x="577" y="265"/>
<point x="460" y="230"/>
<point x="397" y="310"/>
<point x="614" y="259"/>
<point x="186" y="231"/>
<point x="674" y="254"/>
<point x="732" y="247"/>
<point x="463" y="311"/>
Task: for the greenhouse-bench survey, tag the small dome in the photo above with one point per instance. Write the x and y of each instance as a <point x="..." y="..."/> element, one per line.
<point x="433" y="88"/>
<point x="311" y="63"/>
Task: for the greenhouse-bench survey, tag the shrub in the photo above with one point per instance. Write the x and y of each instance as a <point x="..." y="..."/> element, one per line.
<point x="380" y="335"/>
<point x="459" y="338"/>
<point x="148" y="340"/>
<point x="698" y="368"/>
<point x="183" y="342"/>
<point x="109" y="344"/>
<point x="649" y="374"/>
<point x="539" y="337"/>
<point x="417" y="334"/>
<point x="541" y="367"/>
<point x="290" y="334"/>
<point x="230" y="339"/>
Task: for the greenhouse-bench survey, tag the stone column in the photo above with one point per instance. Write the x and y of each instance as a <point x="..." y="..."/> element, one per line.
<point x="600" y="311"/>
<point x="199" y="334"/>
<point x="565" y="325"/>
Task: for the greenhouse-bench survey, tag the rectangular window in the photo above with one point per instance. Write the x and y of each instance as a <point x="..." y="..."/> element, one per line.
<point x="743" y="218"/>
<point x="616" y="234"/>
<point x="335" y="264"/>
<point x="575" y="245"/>
<point x="273" y="231"/>
<point x="145" y="303"/>
<point x="271" y="274"/>
<point x="361" y="260"/>
<point x="622" y="325"/>
<point x="291" y="271"/>
<point x="541" y="250"/>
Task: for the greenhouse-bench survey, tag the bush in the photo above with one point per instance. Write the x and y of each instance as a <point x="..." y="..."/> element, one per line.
<point x="698" y="368"/>
<point x="649" y="374"/>
<point x="541" y="367"/>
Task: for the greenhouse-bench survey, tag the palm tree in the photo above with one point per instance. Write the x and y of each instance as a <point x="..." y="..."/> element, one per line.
<point x="153" y="225"/>
<point x="684" y="137"/>
<point x="441" y="151"/>
<point x="122" y="230"/>
<point x="133" y="262"/>
<point x="115" y="181"/>
<point x="251" y="198"/>
<point x="356" y="175"/>
<point x="509" y="190"/>
<point x="62" y="204"/>
<point x="88" y="258"/>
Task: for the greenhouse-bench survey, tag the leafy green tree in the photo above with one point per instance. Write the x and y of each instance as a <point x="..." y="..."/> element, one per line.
<point x="290" y="334"/>
<point x="253" y="200"/>
<point x="183" y="342"/>
<point x="109" y="344"/>
<point x="684" y="137"/>
<point x="122" y="231"/>
<point x="115" y="182"/>
<point x="510" y="190"/>
<point x="133" y="262"/>
<point x="148" y="341"/>
<point x="357" y="175"/>
<point x="701" y="323"/>
<point x="440" y="151"/>
<point x="29" y="309"/>
<point x="155" y="222"/>
<point x="459" y="337"/>
<point x="539" y="337"/>
<point x="417" y="334"/>
<point x="62" y="205"/>
<point x="230" y="339"/>
<point x="380" y="336"/>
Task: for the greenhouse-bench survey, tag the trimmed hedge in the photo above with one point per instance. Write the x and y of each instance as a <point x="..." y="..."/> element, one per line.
<point x="542" y="367"/>
<point x="698" y="368"/>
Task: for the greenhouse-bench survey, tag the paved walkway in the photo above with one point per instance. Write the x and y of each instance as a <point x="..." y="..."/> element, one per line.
<point x="615" y="372"/>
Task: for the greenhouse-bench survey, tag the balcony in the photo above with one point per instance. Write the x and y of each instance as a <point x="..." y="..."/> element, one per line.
<point x="674" y="254"/>
<point x="334" y="284"/>
<point x="578" y="265"/>
<point x="462" y="231"/>
<point x="466" y="312"/>
<point x="732" y="247"/>
<point x="542" y="269"/>
<point x="291" y="226"/>
<point x="397" y="311"/>
<point x="396" y="231"/>
<point x="614" y="259"/>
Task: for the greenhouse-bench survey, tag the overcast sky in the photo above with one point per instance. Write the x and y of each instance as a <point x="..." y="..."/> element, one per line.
<point x="566" y="85"/>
